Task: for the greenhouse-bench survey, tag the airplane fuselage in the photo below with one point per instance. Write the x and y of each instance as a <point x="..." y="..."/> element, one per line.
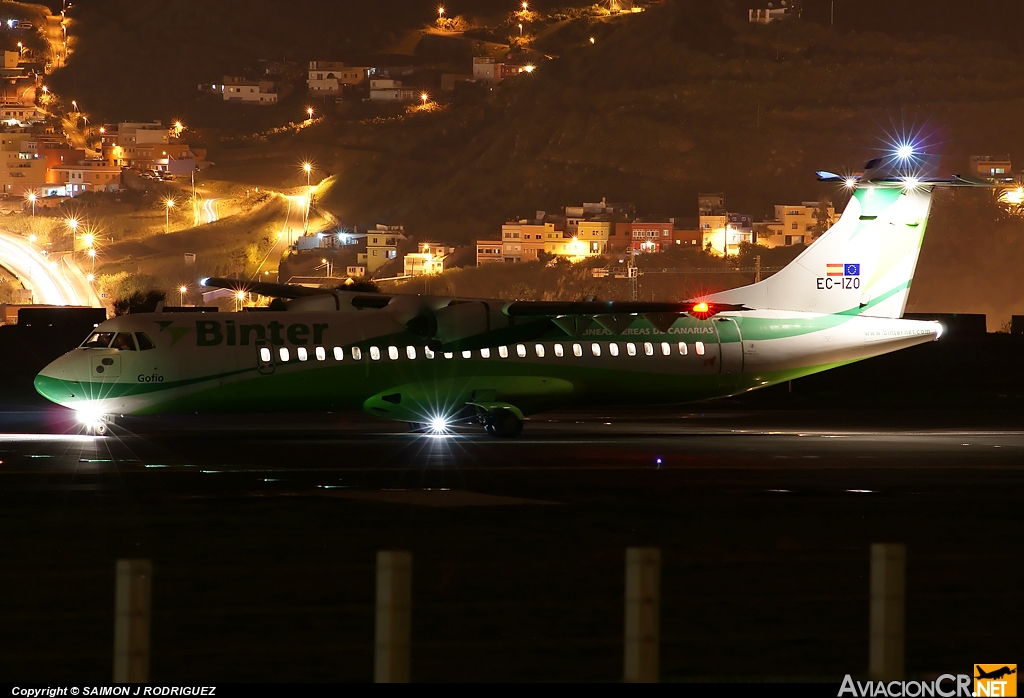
<point x="327" y="361"/>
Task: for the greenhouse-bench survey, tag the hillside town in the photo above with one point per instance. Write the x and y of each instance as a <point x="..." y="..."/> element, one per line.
<point x="54" y="152"/>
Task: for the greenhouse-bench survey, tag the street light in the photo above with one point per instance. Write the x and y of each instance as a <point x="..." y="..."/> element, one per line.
<point x="309" y="113"/>
<point x="327" y="266"/>
<point x="182" y="290"/>
<point x="168" y="205"/>
<point x="307" y="167"/>
<point x="440" y="11"/>
<point x="528" y="68"/>
<point x="92" y="253"/>
<point x="526" y="6"/>
<point x="520" y="29"/>
<point x="32" y="200"/>
<point x="424" y="97"/>
<point x="74" y="103"/>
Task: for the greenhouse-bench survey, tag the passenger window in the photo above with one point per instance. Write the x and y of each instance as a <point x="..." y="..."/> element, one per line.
<point x="577" y="350"/>
<point x="448" y="355"/>
<point x="375" y="353"/>
<point x="467" y="354"/>
<point x="339" y="353"/>
<point x="301" y="353"/>
<point x="699" y="348"/>
<point x="682" y="348"/>
<point x="485" y="353"/>
<point x="427" y="352"/>
<point x="559" y="352"/>
<point x="393" y="353"/>
<point x="321" y="354"/>
<point x="539" y="348"/>
<point x="357" y="353"/>
<point x="145" y="343"/>
<point x="666" y="348"/>
<point x="503" y="352"/>
<point x="98" y="340"/>
<point x="595" y="349"/>
<point x="521" y="351"/>
<point x="631" y="349"/>
<point x="613" y="349"/>
<point x="648" y="348"/>
<point x="410" y="352"/>
<point x="124" y="342"/>
<point x="265" y="355"/>
<point x="283" y="352"/>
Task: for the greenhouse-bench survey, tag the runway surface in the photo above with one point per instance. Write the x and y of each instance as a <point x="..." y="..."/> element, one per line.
<point x="263" y="532"/>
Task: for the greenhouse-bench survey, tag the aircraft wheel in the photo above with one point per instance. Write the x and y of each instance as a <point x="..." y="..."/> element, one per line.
<point x="505" y="424"/>
<point x="489" y="430"/>
<point x="417" y="427"/>
<point x="99" y="429"/>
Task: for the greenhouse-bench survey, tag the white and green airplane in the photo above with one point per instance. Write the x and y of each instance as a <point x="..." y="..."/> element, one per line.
<point x="430" y="360"/>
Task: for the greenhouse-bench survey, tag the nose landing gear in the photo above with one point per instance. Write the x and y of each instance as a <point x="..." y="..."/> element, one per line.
<point x="96" y="424"/>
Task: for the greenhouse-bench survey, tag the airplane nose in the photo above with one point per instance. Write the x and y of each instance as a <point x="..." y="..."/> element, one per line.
<point x="54" y="389"/>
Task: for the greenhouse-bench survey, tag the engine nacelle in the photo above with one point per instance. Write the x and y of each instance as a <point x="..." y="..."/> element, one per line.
<point x="459" y="320"/>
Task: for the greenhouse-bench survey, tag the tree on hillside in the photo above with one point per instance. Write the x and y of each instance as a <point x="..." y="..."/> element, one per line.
<point x="139" y="302"/>
<point x="822" y="219"/>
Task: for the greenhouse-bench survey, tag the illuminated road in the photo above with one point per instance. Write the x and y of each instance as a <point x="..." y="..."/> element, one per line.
<point x="210" y="210"/>
<point x="51" y="282"/>
<point x="295" y="207"/>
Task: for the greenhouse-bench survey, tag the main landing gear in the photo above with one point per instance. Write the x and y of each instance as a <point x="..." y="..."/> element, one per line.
<point x="502" y="423"/>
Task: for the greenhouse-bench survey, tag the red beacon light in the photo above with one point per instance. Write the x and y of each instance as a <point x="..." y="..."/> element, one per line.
<point x="702" y="310"/>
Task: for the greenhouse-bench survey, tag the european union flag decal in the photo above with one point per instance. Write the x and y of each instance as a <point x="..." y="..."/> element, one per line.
<point x="851" y="270"/>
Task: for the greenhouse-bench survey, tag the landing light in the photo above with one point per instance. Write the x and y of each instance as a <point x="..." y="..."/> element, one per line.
<point x="851" y="182"/>
<point x="439" y="425"/>
<point x="910" y="182"/>
<point x="905" y="151"/>
<point x="91" y="418"/>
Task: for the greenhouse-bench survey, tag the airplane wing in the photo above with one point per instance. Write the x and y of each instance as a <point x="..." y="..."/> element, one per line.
<point x="360" y="301"/>
<point x="264" y="288"/>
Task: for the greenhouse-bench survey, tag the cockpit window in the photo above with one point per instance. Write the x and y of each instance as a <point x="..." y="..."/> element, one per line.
<point x="144" y="341"/>
<point x="124" y="341"/>
<point x="98" y="340"/>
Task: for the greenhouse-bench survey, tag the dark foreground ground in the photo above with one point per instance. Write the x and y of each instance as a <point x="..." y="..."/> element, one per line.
<point x="263" y="533"/>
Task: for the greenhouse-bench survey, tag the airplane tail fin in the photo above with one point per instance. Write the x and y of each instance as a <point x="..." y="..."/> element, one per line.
<point x="864" y="264"/>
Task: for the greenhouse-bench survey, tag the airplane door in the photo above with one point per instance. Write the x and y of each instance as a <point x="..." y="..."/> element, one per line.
<point x="264" y="356"/>
<point x="730" y="344"/>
